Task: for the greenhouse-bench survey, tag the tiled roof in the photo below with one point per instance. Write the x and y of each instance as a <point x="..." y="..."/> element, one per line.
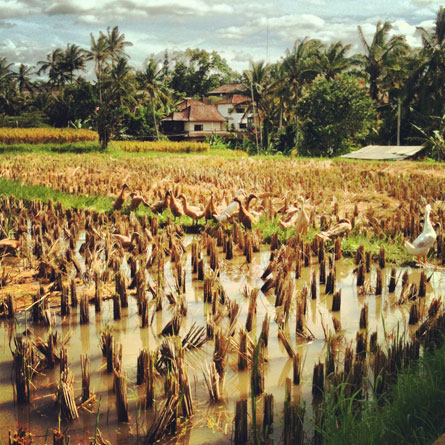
<point x="228" y="88"/>
<point x="234" y="100"/>
<point x="187" y="102"/>
<point x="195" y="111"/>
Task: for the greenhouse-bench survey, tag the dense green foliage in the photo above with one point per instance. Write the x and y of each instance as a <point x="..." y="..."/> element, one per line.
<point x="338" y="114"/>
<point x="126" y="103"/>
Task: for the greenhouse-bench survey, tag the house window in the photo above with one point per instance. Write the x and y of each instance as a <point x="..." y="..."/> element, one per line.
<point x="242" y="125"/>
<point x="199" y="127"/>
<point x="239" y="110"/>
<point x="230" y="110"/>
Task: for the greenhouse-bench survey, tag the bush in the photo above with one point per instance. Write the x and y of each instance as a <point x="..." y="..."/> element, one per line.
<point x="337" y="114"/>
<point x="434" y="139"/>
<point x="31" y="119"/>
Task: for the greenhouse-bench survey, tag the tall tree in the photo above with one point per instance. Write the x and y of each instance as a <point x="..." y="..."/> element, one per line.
<point x="23" y="79"/>
<point x="197" y="71"/>
<point x="257" y="81"/>
<point x="100" y="55"/>
<point x="337" y="114"/>
<point x="74" y="59"/>
<point x="428" y="80"/>
<point x="151" y="85"/>
<point x="380" y="55"/>
<point x="6" y="74"/>
<point x="106" y="49"/>
<point x="8" y="97"/>
<point x="121" y="82"/>
<point x="301" y="65"/>
<point x="55" y="65"/>
<point x="333" y="60"/>
<point x="117" y="44"/>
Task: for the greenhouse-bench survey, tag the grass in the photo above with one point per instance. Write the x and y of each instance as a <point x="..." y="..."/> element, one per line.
<point x="92" y="202"/>
<point x="116" y="152"/>
<point x="413" y="412"/>
<point x="395" y="251"/>
<point x="394" y="248"/>
<point x="112" y="150"/>
<point x="73" y="147"/>
<point x="41" y="193"/>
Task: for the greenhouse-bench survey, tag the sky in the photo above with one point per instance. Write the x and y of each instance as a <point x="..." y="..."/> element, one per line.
<point x="240" y="31"/>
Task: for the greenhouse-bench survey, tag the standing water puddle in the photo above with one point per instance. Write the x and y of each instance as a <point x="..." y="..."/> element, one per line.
<point x="211" y="423"/>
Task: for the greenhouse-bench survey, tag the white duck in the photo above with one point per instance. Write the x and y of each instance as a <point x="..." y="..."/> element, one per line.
<point x="423" y="243"/>
<point x="298" y="219"/>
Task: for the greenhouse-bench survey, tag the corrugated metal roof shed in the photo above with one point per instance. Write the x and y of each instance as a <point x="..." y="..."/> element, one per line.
<point x="385" y="152"/>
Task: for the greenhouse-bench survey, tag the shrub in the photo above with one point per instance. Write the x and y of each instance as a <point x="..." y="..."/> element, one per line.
<point x="30" y="119"/>
<point x="337" y="114"/>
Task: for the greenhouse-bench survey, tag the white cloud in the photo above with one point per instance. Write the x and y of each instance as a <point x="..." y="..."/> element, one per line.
<point x="11" y="8"/>
<point x="88" y="19"/>
<point x="240" y="31"/>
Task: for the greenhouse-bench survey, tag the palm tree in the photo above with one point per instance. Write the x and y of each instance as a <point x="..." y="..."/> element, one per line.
<point x="333" y="60"/>
<point x="6" y="74"/>
<point x="105" y="48"/>
<point x="380" y="55"/>
<point x="74" y="59"/>
<point x="7" y="87"/>
<point x="23" y="79"/>
<point x="150" y="81"/>
<point x="120" y="80"/>
<point x="54" y="63"/>
<point x="300" y="65"/>
<point x="257" y="80"/>
<point x="100" y="53"/>
<point x="429" y="78"/>
<point x="280" y="90"/>
<point x="117" y="44"/>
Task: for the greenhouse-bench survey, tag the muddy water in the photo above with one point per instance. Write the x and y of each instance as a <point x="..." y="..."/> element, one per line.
<point x="212" y="423"/>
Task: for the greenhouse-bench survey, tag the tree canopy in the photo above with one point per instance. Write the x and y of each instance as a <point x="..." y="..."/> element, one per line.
<point x="312" y="99"/>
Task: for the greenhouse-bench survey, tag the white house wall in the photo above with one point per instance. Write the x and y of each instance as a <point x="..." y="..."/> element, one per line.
<point x="206" y="126"/>
<point x="233" y="118"/>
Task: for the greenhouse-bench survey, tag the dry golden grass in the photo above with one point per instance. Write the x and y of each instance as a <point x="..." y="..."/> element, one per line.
<point x="334" y="188"/>
<point x="10" y="136"/>
<point x="163" y="146"/>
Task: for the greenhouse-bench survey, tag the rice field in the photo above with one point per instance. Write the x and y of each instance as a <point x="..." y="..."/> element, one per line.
<point x="10" y="136"/>
<point x="205" y="299"/>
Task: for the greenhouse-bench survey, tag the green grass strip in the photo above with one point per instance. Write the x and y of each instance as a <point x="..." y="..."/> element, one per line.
<point x="395" y="251"/>
<point x="413" y="414"/>
<point x="73" y="147"/>
<point x="45" y="194"/>
<point x="113" y="150"/>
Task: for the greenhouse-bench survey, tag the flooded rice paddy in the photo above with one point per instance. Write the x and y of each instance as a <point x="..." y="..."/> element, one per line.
<point x="212" y="423"/>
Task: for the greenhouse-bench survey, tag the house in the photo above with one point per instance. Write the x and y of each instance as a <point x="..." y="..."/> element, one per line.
<point x="194" y="120"/>
<point x="233" y="104"/>
<point x="235" y="110"/>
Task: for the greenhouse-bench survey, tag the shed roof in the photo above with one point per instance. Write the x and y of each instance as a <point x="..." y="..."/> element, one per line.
<point x="385" y="152"/>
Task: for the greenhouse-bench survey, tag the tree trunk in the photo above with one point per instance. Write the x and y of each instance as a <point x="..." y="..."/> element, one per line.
<point x="154" y="117"/>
